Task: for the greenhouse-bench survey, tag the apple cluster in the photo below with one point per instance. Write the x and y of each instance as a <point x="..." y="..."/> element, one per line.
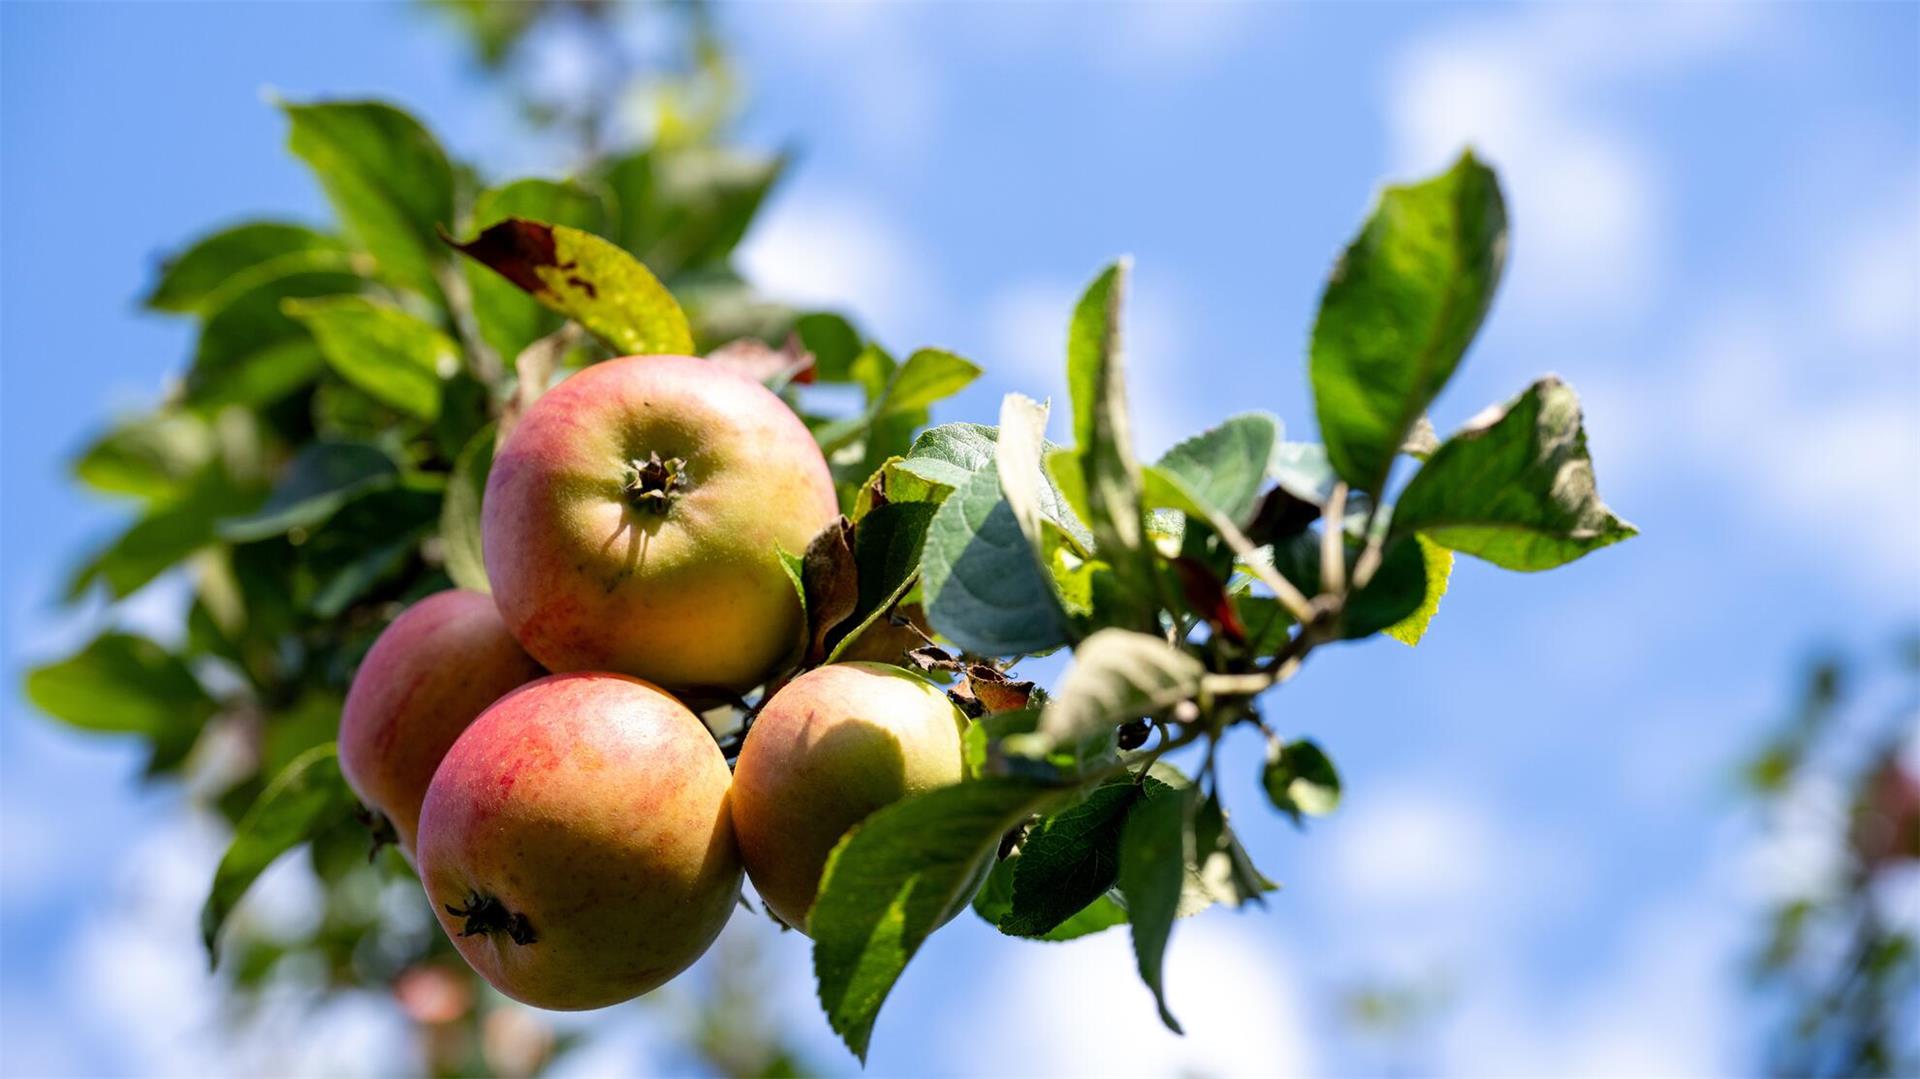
<point x="574" y="822"/>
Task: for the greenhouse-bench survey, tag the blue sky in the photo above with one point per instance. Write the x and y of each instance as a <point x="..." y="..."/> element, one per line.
<point x="1716" y="239"/>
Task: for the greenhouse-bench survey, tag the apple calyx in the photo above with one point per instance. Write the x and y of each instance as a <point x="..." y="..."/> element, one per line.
<point x="653" y="482"/>
<point x="485" y="914"/>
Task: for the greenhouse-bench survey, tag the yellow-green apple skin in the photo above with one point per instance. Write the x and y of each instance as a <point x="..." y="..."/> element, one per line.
<point x="430" y="672"/>
<point x="632" y="517"/>
<point x="576" y="842"/>
<point x="831" y="747"/>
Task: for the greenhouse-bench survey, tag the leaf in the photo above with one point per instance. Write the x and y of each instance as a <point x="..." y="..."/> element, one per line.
<point x="1299" y="779"/>
<point x="1017" y="458"/>
<point x="153" y="457"/>
<point x="196" y="281"/>
<point x="1399" y="311"/>
<point x="251" y="352"/>
<point x="929" y="375"/>
<point x="1226" y="466"/>
<point x="886" y="553"/>
<point x="508" y="318"/>
<point x="830" y="585"/>
<point x="387" y="179"/>
<point x="1303" y="470"/>
<point x="1222" y="871"/>
<point x="995" y="899"/>
<point x="1117" y="676"/>
<point x="590" y="281"/>
<point x="323" y="477"/>
<point x="984" y="590"/>
<point x="369" y="541"/>
<point x="1153" y="870"/>
<point x="1515" y="487"/>
<point x="168" y="533"/>
<point x="896" y="878"/>
<point x="1070" y="859"/>
<point x="1096" y="382"/>
<point x="306" y="797"/>
<point x="1396" y="592"/>
<point x="688" y="206"/>
<point x="950" y="454"/>
<point x="460" y="513"/>
<point x="1439" y="565"/>
<point x="834" y="344"/>
<point x="393" y="356"/>
<point x="121" y="683"/>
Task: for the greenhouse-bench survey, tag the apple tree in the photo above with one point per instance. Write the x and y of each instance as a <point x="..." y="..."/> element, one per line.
<point x="322" y="463"/>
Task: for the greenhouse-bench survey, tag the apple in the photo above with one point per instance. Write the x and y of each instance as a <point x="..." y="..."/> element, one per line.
<point x="831" y="747"/>
<point x="576" y="842"/>
<point x="632" y="521"/>
<point x="430" y="672"/>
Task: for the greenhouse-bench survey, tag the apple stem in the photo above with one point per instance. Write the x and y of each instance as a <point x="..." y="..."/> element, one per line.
<point x="653" y="482"/>
<point x="486" y="914"/>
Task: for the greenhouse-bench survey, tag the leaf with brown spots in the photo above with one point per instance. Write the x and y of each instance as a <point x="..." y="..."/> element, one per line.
<point x="588" y="280"/>
<point x="995" y="691"/>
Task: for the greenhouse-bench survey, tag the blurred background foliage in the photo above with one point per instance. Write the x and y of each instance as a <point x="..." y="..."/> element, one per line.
<point x="1833" y="960"/>
<point x="304" y="473"/>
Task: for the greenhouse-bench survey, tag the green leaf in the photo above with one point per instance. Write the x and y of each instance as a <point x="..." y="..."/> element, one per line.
<point x="1299" y="779"/>
<point x="1225" y="466"/>
<point x="1096" y="382"/>
<point x="686" y="207"/>
<point x="392" y="355"/>
<point x="387" y="179"/>
<point x="896" y="878"/>
<point x="589" y="280"/>
<point x="460" y="513"/>
<point x="368" y="542"/>
<point x="1396" y="592"/>
<point x="1070" y="859"/>
<point x="120" y="683"/>
<point x="251" y="352"/>
<point x="886" y="553"/>
<point x="949" y="455"/>
<point x="1267" y="622"/>
<point x="323" y="477"/>
<point x="995" y="899"/>
<point x="929" y="375"/>
<point x="1515" y="487"/>
<point x="305" y="798"/>
<point x="165" y="535"/>
<point x="197" y="280"/>
<point x="1153" y="871"/>
<point x="153" y="457"/>
<point x="508" y="318"/>
<point x="984" y="589"/>
<point x="1017" y="458"/>
<point x="1303" y="470"/>
<point x="834" y="344"/>
<point x="1398" y="313"/>
<point x="1118" y="676"/>
<point x="1439" y="566"/>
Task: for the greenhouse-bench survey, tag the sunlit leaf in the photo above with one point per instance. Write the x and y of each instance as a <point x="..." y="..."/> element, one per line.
<point x="1399" y="310"/>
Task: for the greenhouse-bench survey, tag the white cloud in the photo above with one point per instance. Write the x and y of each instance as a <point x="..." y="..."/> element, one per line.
<point x="1823" y="454"/>
<point x="838" y="253"/>
<point x="1586" y="197"/>
<point x="1871" y="287"/>
<point x="1080" y="1009"/>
